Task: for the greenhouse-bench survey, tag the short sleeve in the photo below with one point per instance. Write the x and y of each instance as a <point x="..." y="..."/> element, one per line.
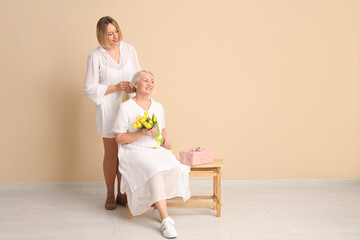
<point x="94" y="90"/>
<point x="121" y="123"/>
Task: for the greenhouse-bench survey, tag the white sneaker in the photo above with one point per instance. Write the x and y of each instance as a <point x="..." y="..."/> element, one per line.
<point x="167" y="228"/>
<point x="156" y="214"/>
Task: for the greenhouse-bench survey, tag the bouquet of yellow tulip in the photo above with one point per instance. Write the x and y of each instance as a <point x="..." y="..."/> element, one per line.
<point x="149" y="123"/>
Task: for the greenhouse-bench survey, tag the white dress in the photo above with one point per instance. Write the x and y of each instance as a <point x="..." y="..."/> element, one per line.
<point x="103" y="71"/>
<point x="148" y="174"/>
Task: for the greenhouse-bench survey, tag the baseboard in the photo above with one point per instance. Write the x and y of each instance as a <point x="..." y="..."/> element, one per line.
<point x="193" y="183"/>
<point x="50" y="185"/>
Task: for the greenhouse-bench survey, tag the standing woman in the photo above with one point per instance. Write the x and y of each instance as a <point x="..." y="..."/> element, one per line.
<point x="110" y="68"/>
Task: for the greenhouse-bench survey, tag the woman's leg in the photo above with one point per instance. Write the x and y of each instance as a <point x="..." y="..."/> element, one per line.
<point x="121" y="199"/>
<point x="162" y="208"/>
<point x="118" y="176"/>
<point x="167" y="223"/>
<point x="110" y="165"/>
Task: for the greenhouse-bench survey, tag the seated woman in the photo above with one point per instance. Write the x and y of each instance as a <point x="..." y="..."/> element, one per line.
<point x="149" y="174"/>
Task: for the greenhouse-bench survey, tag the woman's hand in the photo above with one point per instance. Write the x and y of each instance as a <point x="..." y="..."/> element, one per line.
<point x="167" y="143"/>
<point x="129" y="90"/>
<point x="123" y="85"/>
<point x="149" y="132"/>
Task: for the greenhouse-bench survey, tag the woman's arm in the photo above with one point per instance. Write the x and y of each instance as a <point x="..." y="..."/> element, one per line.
<point x="164" y="133"/>
<point x="121" y="86"/>
<point x="125" y="138"/>
<point x="93" y="89"/>
<point x="167" y="143"/>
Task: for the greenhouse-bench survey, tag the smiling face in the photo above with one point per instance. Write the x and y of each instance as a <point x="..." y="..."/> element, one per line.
<point x="145" y="85"/>
<point x="112" y="35"/>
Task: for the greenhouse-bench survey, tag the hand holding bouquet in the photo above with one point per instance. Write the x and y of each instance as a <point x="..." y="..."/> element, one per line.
<point x="150" y="123"/>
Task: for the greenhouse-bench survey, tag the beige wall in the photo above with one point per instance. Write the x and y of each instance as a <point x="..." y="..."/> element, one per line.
<point x="271" y="86"/>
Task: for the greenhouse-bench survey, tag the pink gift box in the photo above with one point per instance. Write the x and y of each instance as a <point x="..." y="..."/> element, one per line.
<point x="196" y="156"/>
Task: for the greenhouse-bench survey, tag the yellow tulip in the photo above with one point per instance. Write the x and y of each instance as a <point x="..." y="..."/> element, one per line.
<point x="138" y="118"/>
<point x="138" y="124"/>
<point x="134" y="125"/>
<point x="154" y="118"/>
<point x="151" y="122"/>
<point x="146" y="113"/>
<point x="147" y="125"/>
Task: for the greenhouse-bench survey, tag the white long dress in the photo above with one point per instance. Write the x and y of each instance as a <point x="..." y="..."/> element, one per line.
<point x="148" y="174"/>
<point x="103" y="71"/>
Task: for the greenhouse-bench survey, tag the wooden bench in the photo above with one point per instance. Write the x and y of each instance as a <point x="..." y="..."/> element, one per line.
<point x="210" y="169"/>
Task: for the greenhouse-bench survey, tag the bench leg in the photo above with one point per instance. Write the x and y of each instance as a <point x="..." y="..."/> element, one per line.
<point x="130" y="216"/>
<point x="218" y="192"/>
<point x="214" y="189"/>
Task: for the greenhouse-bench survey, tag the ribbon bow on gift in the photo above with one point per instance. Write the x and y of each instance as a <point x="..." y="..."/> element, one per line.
<point x="196" y="149"/>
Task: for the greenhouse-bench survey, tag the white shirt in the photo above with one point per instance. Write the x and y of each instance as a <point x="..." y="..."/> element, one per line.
<point x="127" y="114"/>
<point x="103" y="71"/>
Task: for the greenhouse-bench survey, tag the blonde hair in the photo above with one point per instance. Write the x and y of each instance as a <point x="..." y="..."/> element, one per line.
<point x="101" y="28"/>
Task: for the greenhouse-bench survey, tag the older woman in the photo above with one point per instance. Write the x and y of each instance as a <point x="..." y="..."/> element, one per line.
<point x="109" y="71"/>
<point x="150" y="175"/>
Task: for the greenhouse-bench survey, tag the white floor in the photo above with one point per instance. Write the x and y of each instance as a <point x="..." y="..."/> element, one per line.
<point x="253" y="210"/>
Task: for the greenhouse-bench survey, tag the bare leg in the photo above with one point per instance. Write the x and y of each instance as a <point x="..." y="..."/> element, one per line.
<point x="110" y="164"/>
<point x="121" y="199"/>
<point x="161" y="206"/>
<point x="167" y="224"/>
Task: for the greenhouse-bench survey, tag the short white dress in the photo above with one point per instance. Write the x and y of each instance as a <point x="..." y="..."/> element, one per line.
<point x="103" y="71"/>
<point x="148" y="174"/>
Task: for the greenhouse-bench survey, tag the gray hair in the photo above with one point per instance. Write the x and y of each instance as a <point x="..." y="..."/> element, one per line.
<point x="123" y="95"/>
<point x="136" y="78"/>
